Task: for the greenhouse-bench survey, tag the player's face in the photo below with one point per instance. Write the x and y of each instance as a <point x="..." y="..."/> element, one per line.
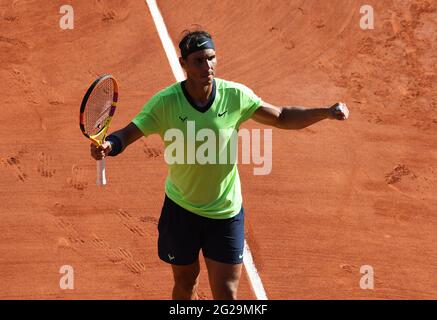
<point x="200" y="66"/>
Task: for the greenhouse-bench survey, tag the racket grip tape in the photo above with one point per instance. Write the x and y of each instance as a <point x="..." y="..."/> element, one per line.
<point x="101" y="172"/>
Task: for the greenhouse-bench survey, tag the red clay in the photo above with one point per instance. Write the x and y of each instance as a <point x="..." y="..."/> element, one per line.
<point x="340" y="195"/>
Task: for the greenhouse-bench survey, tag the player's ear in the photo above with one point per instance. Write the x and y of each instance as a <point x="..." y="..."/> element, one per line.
<point x="182" y="62"/>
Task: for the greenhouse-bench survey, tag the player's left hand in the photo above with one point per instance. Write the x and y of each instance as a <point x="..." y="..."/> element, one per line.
<point x="339" y="111"/>
<point x="98" y="153"/>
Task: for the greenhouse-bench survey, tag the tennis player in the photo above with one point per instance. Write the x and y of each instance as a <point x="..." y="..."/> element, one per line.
<point x="203" y="206"/>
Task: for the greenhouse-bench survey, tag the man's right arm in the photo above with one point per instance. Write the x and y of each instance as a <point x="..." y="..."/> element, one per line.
<point x="118" y="140"/>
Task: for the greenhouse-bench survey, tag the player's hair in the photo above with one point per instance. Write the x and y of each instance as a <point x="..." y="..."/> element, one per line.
<point x="188" y="36"/>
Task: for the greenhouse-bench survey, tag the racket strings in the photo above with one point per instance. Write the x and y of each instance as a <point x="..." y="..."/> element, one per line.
<point x="98" y="107"/>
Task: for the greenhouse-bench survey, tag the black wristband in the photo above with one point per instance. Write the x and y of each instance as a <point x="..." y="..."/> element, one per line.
<point x="116" y="145"/>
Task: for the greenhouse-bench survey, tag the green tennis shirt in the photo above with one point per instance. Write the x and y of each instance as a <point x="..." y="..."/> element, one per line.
<point x="200" y="145"/>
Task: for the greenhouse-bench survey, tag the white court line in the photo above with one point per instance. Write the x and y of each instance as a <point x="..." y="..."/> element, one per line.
<point x="169" y="48"/>
<point x="252" y="272"/>
<point x="172" y="57"/>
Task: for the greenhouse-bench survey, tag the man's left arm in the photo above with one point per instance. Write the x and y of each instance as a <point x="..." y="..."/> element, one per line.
<point x="294" y="118"/>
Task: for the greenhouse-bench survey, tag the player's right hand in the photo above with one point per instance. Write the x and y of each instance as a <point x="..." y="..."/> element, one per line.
<point x="98" y="153"/>
<point x="339" y="111"/>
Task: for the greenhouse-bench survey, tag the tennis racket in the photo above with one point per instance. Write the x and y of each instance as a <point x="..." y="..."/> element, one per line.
<point x="96" y="111"/>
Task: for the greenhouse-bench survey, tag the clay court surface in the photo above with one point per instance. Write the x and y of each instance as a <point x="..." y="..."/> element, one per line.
<point x="340" y="195"/>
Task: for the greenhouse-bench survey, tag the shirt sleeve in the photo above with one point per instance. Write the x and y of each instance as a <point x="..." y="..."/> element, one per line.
<point x="249" y="103"/>
<point x="148" y="119"/>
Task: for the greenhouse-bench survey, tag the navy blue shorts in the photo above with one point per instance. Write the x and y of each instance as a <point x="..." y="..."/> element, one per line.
<point x="182" y="234"/>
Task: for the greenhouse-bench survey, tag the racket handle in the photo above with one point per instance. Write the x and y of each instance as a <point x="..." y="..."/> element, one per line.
<point x="101" y="172"/>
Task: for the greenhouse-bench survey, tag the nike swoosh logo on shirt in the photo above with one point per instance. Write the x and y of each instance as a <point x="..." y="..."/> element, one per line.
<point x="221" y="114"/>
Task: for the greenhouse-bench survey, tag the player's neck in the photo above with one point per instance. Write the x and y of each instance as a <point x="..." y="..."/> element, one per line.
<point x="200" y="93"/>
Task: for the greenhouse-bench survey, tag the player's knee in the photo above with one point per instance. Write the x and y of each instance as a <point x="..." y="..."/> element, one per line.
<point x="228" y="291"/>
<point x="186" y="282"/>
<point x="185" y="290"/>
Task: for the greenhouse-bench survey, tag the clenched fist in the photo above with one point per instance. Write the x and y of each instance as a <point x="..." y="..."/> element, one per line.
<point x="339" y="111"/>
<point x="98" y="153"/>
